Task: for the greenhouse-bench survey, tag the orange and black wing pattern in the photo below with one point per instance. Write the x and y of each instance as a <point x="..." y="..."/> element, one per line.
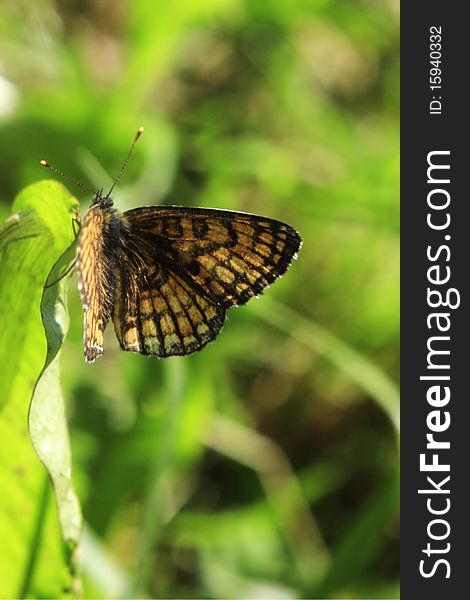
<point x="172" y="272"/>
<point x="230" y="256"/>
<point x="156" y="311"/>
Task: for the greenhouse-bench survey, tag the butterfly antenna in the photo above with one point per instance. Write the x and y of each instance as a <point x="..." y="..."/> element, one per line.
<point x="124" y="164"/>
<point x="46" y="165"/>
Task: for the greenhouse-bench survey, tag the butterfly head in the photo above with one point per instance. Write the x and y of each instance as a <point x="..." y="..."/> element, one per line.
<point x="103" y="202"/>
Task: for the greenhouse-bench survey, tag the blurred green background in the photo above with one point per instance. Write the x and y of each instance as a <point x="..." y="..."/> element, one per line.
<point x="265" y="466"/>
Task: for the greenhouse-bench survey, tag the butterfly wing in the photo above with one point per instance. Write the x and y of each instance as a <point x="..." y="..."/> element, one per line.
<point x="228" y="256"/>
<point x="156" y="311"/>
<point x="166" y="275"/>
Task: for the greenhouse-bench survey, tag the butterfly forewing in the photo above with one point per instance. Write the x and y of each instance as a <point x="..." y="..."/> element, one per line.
<point x="166" y="274"/>
<point x="230" y="256"/>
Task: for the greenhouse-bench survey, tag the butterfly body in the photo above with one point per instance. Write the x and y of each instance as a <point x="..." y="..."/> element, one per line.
<point x="166" y="275"/>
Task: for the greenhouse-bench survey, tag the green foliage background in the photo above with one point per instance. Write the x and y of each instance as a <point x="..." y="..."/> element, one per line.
<point x="267" y="465"/>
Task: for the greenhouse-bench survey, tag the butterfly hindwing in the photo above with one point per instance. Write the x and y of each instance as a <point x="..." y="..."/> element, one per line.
<point x="157" y="312"/>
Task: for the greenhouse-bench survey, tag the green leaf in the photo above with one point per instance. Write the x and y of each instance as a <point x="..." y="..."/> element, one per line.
<point x="34" y="561"/>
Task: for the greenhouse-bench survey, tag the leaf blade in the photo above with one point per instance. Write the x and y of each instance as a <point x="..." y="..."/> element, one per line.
<point x="31" y="242"/>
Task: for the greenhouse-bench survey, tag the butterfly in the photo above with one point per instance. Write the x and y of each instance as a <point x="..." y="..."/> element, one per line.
<point x="166" y="275"/>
